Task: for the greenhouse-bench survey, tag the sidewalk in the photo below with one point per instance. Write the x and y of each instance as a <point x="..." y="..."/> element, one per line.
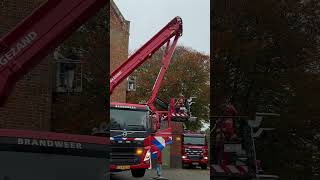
<point x="171" y="174"/>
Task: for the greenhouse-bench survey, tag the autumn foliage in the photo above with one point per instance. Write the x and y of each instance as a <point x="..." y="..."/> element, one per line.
<point x="188" y="74"/>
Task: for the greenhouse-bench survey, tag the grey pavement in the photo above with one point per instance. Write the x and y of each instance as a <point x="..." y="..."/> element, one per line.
<point x="171" y="174"/>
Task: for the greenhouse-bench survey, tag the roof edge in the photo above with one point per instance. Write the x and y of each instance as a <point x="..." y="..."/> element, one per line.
<point x="115" y="7"/>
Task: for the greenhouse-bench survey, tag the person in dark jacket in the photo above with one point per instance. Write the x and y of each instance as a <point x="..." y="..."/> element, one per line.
<point x="179" y="103"/>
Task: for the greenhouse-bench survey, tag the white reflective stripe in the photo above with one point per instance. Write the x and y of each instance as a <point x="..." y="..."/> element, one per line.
<point x="173" y="114"/>
<point x="178" y="115"/>
<point x="233" y="169"/>
<point x="139" y="139"/>
<point x="218" y="169"/>
<point x="123" y="139"/>
<point x="161" y="140"/>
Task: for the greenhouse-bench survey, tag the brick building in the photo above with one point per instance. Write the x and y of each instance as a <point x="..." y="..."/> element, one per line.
<point x="119" y="38"/>
<point x="176" y="148"/>
<point x="29" y="105"/>
<point x="42" y="99"/>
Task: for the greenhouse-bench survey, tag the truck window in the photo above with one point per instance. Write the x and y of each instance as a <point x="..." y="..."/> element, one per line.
<point x="194" y="140"/>
<point x="127" y="119"/>
<point x="40" y="166"/>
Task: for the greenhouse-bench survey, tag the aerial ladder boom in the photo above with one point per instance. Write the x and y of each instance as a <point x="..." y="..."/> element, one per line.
<point x="172" y="29"/>
<point x="168" y="36"/>
<point x="165" y="65"/>
<point x="31" y="40"/>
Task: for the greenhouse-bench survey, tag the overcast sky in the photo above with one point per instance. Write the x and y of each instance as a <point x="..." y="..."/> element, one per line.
<point x="147" y="17"/>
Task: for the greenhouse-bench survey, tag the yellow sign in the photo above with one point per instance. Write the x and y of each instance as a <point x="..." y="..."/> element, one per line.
<point x="123" y="167"/>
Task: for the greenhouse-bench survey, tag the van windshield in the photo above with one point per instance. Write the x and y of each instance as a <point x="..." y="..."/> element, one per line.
<point x="127" y="119"/>
<point x="192" y="140"/>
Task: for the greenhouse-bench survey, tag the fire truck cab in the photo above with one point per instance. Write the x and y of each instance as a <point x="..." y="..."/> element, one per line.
<point x="194" y="150"/>
<point x="136" y="133"/>
<point x="130" y="125"/>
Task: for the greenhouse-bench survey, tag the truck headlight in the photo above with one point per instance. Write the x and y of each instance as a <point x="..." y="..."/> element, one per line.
<point x="206" y="158"/>
<point x="139" y="151"/>
<point x="184" y="157"/>
<point x="147" y="157"/>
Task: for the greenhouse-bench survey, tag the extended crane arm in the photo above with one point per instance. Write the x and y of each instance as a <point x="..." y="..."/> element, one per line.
<point x="30" y="41"/>
<point x="172" y="29"/>
<point x="165" y="65"/>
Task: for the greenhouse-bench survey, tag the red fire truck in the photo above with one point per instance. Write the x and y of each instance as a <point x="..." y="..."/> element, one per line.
<point x="139" y="130"/>
<point x="44" y="155"/>
<point x="29" y="42"/>
<point x="194" y="150"/>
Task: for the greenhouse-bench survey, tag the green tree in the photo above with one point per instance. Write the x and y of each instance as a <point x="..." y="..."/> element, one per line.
<point x="188" y="74"/>
<point x="266" y="57"/>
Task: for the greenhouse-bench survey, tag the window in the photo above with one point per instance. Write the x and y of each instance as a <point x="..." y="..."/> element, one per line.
<point x="193" y="140"/>
<point x="131" y="83"/>
<point x="69" y="75"/>
<point x="131" y="120"/>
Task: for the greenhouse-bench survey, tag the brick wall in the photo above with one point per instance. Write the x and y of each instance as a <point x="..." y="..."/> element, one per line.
<point x="33" y="103"/>
<point x="119" y="42"/>
<point x="79" y="112"/>
<point x="177" y="130"/>
<point x="29" y="105"/>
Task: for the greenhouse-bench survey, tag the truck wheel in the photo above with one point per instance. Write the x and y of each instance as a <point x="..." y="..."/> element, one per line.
<point x="138" y="173"/>
<point x="204" y="166"/>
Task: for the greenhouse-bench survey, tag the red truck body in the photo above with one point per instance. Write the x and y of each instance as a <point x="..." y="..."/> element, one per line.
<point x="136" y="131"/>
<point x="34" y="155"/>
<point x="194" y="150"/>
<point x="30" y="41"/>
<point x="129" y="148"/>
<point x="135" y="134"/>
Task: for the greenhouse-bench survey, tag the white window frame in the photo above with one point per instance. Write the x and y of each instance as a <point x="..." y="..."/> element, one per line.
<point x="78" y="87"/>
<point x="132" y="81"/>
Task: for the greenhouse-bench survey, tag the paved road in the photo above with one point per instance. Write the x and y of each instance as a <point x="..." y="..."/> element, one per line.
<point x="171" y="174"/>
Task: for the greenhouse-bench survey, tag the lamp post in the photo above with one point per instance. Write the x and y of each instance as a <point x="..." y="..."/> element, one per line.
<point x="256" y="123"/>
